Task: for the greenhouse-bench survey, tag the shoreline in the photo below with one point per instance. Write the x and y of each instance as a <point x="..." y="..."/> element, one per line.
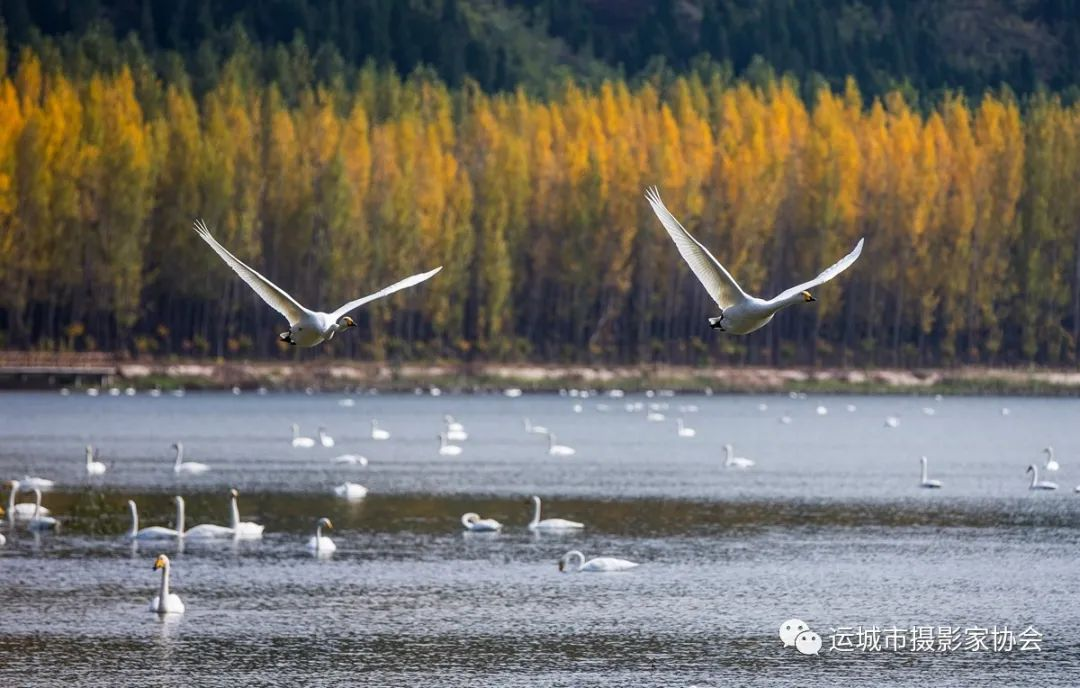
<point x="51" y="372"/>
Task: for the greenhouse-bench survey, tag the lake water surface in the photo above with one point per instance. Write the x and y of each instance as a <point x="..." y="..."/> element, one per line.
<point x="829" y="526"/>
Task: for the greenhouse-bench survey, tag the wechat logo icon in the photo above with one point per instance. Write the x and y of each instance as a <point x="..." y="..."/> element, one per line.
<point x="795" y="633"/>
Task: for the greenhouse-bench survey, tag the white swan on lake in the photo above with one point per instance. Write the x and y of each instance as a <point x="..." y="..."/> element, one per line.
<point x="683" y="430"/>
<point x="447" y="449"/>
<point x="1051" y="463"/>
<point x="535" y="429"/>
<point x="306" y="327"/>
<point x="892" y="422"/>
<point x="378" y="433"/>
<point x="40" y="521"/>
<point x="350" y="460"/>
<point x="455" y="431"/>
<point x="93" y="467"/>
<point x="555" y="449"/>
<point x="154" y="532"/>
<point x="242" y="530"/>
<point x="299" y="441"/>
<point x="181" y="467"/>
<point x="475" y="524"/>
<point x="740" y="313"/>
<point x="926" y="482"/>
<point x="732" y="461"/>
<point x="165" y="602"/>
<point x="318" y="543"/>
<point x="23" y="511"/>
<point x="451" y="424"/>
<point x="350" y="491"/>
<point x="1037" y="484"/>
<point x="550" y="523"/>
<point x="574" y="561"/>
<point x="210" y="531"/>
<point x="324" y="439"/>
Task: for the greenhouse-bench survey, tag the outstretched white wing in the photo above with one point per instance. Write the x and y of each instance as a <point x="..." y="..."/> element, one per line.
<point x="267" y="290"/>
<point x="722" y="287"/>
<point x="386" y="291"/>
<point x="826" y="274"/>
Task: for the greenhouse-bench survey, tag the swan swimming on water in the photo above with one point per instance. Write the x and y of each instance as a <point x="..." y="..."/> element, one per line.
<point x="683" y="430"/>
<point x="535" y="429"/>
<point x="740" y="313"/>
<point x="550" y="523"/>
<point x="318" y="543"/>
<point x="40" y="521"/>
<point x="23" y="511"/>
<point x="1051" y="463"/>
<point x="299" y="441"/>
<point x="732" y="461"/>
<point x="154" y="532"/>
<point x="447" y="449"/>
<point x="475" y="524"/>
<point x="350" y="460"/>
<point x="181" y="467"/>
<point x="452" y="425"/>
<point x="242" y="530"/>
<point x="926" y="482"/>
<point x="555" y="449"/>
<point x="210" y="531"/>
<point x="93" y="467"/>
<point x="306" y="327"/>
<point x="324" y="439"/>
<point x="1037" y="484"/>
<point x="165" y="602"/>
<point x="597" y="565"/>
<point x="350" y="491"/>
<point x="377" y="433"/>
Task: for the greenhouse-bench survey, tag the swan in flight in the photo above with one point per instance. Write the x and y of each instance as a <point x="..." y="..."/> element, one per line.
<point x="447" y="449"/>
<point x="740" y="313"/>
<point x="181" y="467"/>
<point x="1051" y="463"/>
<point x="155" y="532"/>
<point x="350" y="491"/>
<point x="165" y="602"/>
<point x="40" y="521"/>
<point x="535" y="429"/>
<point x="324" y="439"/>
<point x="242" y="530"/>
<point x="558" y="449"/>
<point x="475" y="524"/>
<point x="732" y="461"/>
<point x="299" y="441"/>
<point x="23" y="511"/>
<point x="550" y="523"/>
<point x="1037" y="484"/>
<point x="683" y="430"/>
<point x="306" y="327"/>
<point x="926" y="482"/>
<point x="209" y="531"/>
<point x="597" y="565"/>
<point x="350" y="460"/>
<point x="378" y="433"/>
<point x="93" y="467"/>
<point x="318" y="543"/>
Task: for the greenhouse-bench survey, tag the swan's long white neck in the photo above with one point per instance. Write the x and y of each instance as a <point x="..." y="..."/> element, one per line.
<point x="727" y="453"/>
<point x="923" y="461"/>
<point x="179" y="454"/>
<point x="551" y="440"/>
<point x="442" y="440"/>
<point x="790" y="301"/>
<point x="1034" y="475"/>
<point x="295" y="431"/>
<point x="234" y="513"/>
<point x="37" y="502"/>
<point x="163" y="594"/>
<point x="536" y="511"/>
<point x="1049" y="454"/>
<point x="89" y="454"/>
<point x="318" y="536"/>
<point x="179" y="517"/>
<point x="11" y="504"/>
<point x="571" y="556"/>
<point x="134" y="518"/>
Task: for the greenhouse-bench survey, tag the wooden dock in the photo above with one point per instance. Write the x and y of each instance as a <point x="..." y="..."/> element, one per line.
<point x="38" y="370"/>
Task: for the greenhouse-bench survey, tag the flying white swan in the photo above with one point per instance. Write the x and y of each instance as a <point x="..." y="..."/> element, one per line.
<point x="23" y="511"/>
<point x="93" y="467"/>
<point x="683" y="430"/>
<point x="1037" y="484"/>
<point x="1051" y="463"/>
<point x="350" y="460"/>
<point x="181" y="467"/>
<point x="350" y="491"/>
<point x="558" y="449"/>
<point x="550" y="523"/>
<point x="318" y="543"/>
<point x="597" y="565"/>
<point x="535" y="429"/>
<point x="474" y="523"/>
<point x="242" y="530"/>
<point x="447" y="449"/>
<point x="210" y="531"/>
<point x="926" y="482"/>
<point x="378" y="433"/>
<point x="40" y="521"/>
<point x="732" y="461"/>
<point x="740" y="313"/>
<point x="299" y="441"/>
<point x="324" y="439"/>
<point x="165" y="602"/>
<point x="154" y="532"/>
<point x="306" y="327"/>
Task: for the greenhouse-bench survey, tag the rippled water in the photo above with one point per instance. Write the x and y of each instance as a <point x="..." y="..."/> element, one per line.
<point x="829" y="527"/>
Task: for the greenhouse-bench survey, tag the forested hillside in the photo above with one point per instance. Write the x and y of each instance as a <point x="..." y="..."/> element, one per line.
<point x="334" y="175"/>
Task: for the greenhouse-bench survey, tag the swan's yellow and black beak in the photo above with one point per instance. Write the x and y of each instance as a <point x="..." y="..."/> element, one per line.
<point x="329" y="524"/>
<point x="1" y="511"/>
<point x="159" y="563"/>
<point x="348" y="322"/>
<point x="807" y="296"/>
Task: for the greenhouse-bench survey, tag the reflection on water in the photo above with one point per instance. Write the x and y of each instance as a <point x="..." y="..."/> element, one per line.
<point x="830" y="527"/>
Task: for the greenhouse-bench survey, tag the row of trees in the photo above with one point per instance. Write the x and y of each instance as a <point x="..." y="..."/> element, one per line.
<point x="535" y="207"/>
